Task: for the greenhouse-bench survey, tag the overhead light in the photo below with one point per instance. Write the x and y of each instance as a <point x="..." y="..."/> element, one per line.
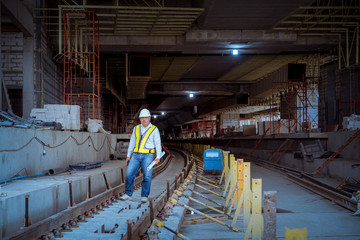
<point x="191" y="95"/>
<point x="155" y="116"/>
<point x="235" y="52"/>
<point x="162" y="113"/>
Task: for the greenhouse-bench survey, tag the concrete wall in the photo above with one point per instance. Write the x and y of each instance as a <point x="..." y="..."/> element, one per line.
<point x="337" y="139"/>
<point x="12" y="58"/>
<point x="21" y="153"/>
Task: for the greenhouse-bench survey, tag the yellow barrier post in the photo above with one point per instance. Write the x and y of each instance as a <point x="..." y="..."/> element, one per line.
<point x="239" y="184"/>
<point x="233" y="181"/>
<point x="256" y="224"/>
<point x="247" y="194"/>
<point x="298" y="234"/>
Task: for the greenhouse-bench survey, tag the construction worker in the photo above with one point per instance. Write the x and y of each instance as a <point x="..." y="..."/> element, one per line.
<point x="144" y="146"/>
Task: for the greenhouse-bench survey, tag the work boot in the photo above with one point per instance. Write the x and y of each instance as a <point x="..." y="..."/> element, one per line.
<point x="144" y="199"/>
<point x="125" y="197"/>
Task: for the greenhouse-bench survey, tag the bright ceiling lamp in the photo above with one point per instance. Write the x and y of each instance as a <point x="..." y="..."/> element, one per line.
<point x="235" y="52"/>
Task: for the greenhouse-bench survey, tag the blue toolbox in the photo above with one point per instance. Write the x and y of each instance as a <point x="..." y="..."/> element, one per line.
<point x="212" y="161"/>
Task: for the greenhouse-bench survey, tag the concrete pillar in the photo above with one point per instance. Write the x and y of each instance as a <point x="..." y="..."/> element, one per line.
<point x="28" y="73"/>
<point x="0" y="66"/>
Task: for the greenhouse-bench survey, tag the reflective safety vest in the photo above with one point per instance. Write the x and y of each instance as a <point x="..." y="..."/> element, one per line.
<point x="140" y="141"/>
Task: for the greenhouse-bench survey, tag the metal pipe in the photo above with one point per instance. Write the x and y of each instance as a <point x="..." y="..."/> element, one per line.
<point x="347" y="48"/>
<point x="89" y="187"/>
<point x="27" y="220"/>
<point x="203" y="214"/>
<point x="339" y="53"/>
<point x="129" y="222"/>
<point x="179" y="193"/>
<point x="309" y="29"/>
<point x="357" y="45"/>
<point x="176" y="181"/>
<point x="167" y="189"/>
<point x="122" y="176"/>
<point x="60" y="30"/>
<point x="316" y="22"/>
<point x="54" y="171"/>
<point x="324" y="15"/>
<point x="329" y="7"/>
<point x="106" y="182"/>
<point x="70" y="193"/>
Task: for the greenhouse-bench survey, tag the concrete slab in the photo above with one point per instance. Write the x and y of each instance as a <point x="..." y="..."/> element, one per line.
<point x="50" y="194"/>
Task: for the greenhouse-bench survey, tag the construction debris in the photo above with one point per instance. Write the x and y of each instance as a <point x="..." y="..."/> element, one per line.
<point x="9" y="119"/>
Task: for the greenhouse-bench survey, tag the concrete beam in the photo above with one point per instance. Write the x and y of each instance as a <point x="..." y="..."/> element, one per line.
<point x="141" y="40"/>
<point x="209" y="87"/>
<point x="19" y="15"/>
<point x="0" y="65"/>
<point x="239" y="36"/>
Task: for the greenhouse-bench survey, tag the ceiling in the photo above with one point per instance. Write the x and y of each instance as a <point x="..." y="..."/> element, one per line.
<point x="190" y="43"/>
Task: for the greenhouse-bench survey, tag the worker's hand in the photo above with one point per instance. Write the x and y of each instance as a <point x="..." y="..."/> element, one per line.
<point x="157" y="160"/>
<point x="127" y="160"/>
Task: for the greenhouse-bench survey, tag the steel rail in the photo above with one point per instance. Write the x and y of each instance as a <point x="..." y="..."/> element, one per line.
<point x="143" y="224"/>
<point x="97" y="202"/>
<point x="305" y="180"/>
<point x="325" y="191"/>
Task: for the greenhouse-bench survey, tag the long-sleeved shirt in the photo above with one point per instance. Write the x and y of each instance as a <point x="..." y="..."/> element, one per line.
<point x="154" y="140"/>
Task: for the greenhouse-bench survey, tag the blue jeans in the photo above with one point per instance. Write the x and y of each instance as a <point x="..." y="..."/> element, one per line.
<point x="136" y="161"/>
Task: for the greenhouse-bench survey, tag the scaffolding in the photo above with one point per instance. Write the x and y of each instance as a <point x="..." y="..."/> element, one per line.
<point x="348" y="92"/>
<point x="298" y="97"/>
<point x="199" y="129"/>
<point x="110" y="113"/>
<point x="81" y="62"/>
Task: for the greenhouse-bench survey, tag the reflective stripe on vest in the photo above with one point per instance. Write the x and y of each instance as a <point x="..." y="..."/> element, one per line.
<point x="142" y="148"/>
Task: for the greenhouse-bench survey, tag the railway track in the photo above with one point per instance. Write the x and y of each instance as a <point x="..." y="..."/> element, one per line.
<point x="105" y="216"/>
<point x="304" y="179"/>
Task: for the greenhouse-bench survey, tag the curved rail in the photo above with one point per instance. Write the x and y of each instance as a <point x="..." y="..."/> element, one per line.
<point x="71" y="218"/>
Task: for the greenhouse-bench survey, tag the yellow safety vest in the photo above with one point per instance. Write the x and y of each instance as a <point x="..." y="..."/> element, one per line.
<point x="142" y="142"/>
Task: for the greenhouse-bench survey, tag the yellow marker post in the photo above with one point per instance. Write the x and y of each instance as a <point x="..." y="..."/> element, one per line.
<point x="238" y="208"/>
<point x="239" y="184"/>
<point x="256" y="224"/>
<point x="240" y="177"/>
<point x="298" y="234"/>
<point x="227" y="183"/>
<point x="233" y="181"/>
<point x="247" y="194"/>
<point x="226" y="164"/>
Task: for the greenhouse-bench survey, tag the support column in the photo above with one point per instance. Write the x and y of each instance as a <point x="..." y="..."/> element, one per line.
<point x="28" y="79"/>
<point x="1" y="78"/>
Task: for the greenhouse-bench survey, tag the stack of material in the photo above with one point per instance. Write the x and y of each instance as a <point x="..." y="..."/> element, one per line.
<point x="9" y="119"/>
<point x="352" y="122"/>
<point x="67" y="115"/>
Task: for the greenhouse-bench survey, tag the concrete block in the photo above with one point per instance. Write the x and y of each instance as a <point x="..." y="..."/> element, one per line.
<point x="261" y="128"/>
<point x="249" y="130"/>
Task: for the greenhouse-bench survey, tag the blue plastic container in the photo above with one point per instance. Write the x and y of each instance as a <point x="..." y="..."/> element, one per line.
<point x="212" y="161"/>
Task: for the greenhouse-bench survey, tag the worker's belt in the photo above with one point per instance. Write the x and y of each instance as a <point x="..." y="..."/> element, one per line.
<point x="149" y="151"/>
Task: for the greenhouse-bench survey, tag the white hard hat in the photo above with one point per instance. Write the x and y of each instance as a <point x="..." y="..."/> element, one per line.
<point x="144" y="113"/>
